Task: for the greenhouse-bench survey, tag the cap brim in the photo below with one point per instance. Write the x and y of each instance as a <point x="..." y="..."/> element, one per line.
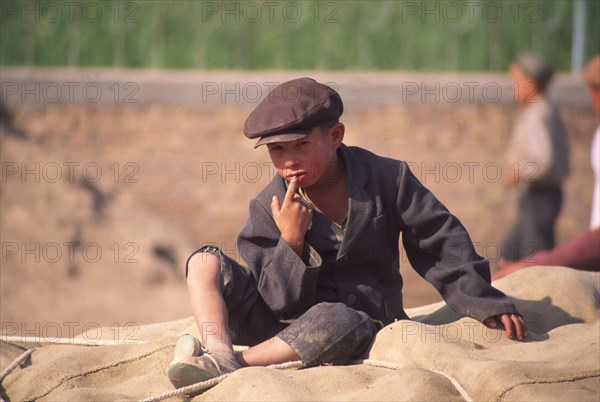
<point x="280" y="138"/>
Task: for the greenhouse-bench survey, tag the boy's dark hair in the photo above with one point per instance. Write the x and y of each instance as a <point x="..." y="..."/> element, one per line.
<point x="537" y="68"/>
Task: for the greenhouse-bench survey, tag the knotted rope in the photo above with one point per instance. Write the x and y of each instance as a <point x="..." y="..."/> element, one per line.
<point x="200" y="386"/>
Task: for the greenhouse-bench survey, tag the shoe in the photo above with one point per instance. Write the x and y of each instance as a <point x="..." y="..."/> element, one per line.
<point x="187" y="345"/>
<point x="192" y="364"/>
<point x="193" y="369"/>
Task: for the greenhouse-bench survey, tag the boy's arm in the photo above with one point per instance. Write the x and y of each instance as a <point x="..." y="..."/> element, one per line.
<point x="582" y="252"/>
<point x="440" y="250"/>
<point x="286" y="269"/>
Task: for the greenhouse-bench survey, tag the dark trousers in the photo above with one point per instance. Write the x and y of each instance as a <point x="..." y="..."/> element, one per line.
<point x="539" y="206"/>
<point x="325" y="333"/>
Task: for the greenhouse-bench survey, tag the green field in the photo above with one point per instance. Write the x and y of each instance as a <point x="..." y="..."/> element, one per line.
<point x="409" y="35"/>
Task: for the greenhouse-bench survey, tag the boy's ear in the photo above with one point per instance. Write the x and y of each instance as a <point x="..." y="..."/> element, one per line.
<point x="337" y="133"/>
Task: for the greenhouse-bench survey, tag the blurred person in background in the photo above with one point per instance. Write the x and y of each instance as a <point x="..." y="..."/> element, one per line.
<point x="537" y="159"/>
<point x="591" y="75"/>
<point x="582" y="252"/>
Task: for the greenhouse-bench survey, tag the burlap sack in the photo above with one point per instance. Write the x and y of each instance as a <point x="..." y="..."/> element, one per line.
<point x="440" y="356"/>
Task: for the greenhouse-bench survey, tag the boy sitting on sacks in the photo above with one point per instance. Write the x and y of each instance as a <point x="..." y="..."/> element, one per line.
<point x="321" y="244"/>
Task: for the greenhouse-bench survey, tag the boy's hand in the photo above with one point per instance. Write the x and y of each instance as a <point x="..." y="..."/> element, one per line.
<point x="514" y="325"/>
<point x="293" y="218"/>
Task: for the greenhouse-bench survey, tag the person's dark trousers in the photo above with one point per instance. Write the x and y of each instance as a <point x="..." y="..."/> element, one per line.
<point x="325" y="333"/>
<point x="539" y="206"/>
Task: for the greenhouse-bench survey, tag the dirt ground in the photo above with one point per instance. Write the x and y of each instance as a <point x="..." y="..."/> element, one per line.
<point x="177" y="177"/>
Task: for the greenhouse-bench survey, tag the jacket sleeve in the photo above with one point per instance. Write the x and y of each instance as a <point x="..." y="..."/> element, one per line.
<point x="286" y="282"/>
<point x="440" y="250"/>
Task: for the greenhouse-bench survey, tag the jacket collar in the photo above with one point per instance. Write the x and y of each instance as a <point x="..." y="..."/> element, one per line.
<point x="360" y="203"/>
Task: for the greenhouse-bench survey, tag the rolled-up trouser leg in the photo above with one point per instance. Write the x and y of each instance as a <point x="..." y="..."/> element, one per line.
<point x="330" y="333"/>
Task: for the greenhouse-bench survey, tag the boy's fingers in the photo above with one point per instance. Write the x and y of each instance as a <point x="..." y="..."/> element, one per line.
<point x="275" y="207"/>
<point x="524" y="326"/>
<point x="490" y="322"/>
<point x="514" y="325"/>
<point x="520" y="325"/>
<point x="518" y="328"/>
<point x="508" y="326"/>
<point x="289" y="195"/>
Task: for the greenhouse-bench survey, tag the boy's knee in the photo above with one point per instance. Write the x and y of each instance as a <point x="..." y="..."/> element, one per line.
<point x="339" y="311"/>
<point x="330" y="332"/>
<point x="204" y="264"/>
<point x="332" y="307"/>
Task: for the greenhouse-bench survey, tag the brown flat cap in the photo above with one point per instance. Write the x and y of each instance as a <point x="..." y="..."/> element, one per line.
<point x="291" y="110"/>
<point x="591" y="73"/>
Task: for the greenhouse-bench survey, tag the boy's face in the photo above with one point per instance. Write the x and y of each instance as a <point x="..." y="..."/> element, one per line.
<point x="312" y="158"/>
<point x="524" y="87"/>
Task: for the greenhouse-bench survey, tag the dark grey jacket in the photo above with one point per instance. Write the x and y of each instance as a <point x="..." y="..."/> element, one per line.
<point x="385" y="201"/>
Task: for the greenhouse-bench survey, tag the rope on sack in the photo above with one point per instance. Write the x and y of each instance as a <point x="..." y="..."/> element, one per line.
<point x="393" y="366"/>
<point x="15" y="363"/>
<point x="200" y="386"/>
<point x="65" y="341"/>
<point x="461" y="390"/>
<point x="204" y="385"/>
<point x="567" y="378"/>
<point x="57" y="341"/>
